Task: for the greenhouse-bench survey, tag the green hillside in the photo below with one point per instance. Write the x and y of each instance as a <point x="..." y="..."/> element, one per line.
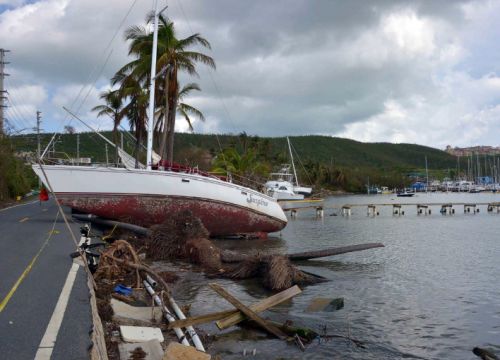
<point x="326" y="161"/>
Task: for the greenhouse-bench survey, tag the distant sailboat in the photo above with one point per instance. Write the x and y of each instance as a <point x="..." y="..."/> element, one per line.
<point x="284" y="185"/>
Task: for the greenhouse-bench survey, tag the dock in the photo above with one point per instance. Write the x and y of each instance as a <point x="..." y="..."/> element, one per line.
<point x="44" y="298"/>
<point x="422" y="208"/>
<point x="398" y="209"/>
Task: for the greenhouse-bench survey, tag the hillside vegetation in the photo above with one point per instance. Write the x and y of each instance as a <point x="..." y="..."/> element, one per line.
<point x="16" y="179"/>
<point x="328" y="162"/>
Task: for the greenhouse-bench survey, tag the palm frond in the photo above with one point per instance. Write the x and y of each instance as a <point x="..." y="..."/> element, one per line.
<point x="188" y="109"/>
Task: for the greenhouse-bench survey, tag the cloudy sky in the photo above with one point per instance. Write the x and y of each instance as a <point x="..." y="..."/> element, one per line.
<point x="424" y="72"/>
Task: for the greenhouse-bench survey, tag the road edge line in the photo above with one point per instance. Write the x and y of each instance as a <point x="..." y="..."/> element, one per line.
<point x="48" y="342"/>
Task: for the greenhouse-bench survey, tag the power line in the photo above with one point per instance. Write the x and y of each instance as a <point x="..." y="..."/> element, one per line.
<point x="16" y="110"/>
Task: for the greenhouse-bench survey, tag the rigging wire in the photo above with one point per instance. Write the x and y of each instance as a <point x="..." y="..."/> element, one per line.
<point x="91" y="74"/>
<point x="105" y="61"/>
<point x="301" y="164"/>
<point x="217" y="90"/>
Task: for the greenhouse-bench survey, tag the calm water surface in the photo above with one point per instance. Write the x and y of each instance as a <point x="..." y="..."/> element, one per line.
<point x="431" y="293"/>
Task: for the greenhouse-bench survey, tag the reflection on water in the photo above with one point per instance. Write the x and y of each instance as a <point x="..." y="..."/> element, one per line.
<point x="430" y="293"/>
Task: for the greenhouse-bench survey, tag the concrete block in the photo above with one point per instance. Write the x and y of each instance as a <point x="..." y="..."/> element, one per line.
<point x="152" y="349"/>
<point x="141" y="313"/>
<point x="140" y="333"/>
<point x="176" y="351"/>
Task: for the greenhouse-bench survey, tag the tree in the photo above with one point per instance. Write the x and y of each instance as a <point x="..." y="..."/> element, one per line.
<point x="246" y="166"/>
<point x="113" y="107"/>
<point x="132" y="90"/>
<point x="68" y="129"/>
<point x="174" y="56"/>
<point x="185" y="110"/>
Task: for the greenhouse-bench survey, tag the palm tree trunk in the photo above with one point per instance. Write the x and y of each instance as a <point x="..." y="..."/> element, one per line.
<point x="115" y="141"/>
<point x="137" y="146"/>
<point x="165" y="122"/>
<point x="171" y="131"/>
<point x="173" y="94"/>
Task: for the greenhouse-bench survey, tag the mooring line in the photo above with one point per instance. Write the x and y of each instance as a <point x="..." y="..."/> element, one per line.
<point x="4" y="302"/>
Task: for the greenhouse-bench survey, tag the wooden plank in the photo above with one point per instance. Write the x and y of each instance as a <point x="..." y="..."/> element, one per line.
<point x="201" y="319"/>
<point x="248" y="312"/>
<point x="259" y="306"/>
<point x="232" y="317"/>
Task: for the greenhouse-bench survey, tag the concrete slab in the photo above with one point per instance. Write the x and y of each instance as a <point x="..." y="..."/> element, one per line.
<point x="152" y="349"/>
<point x="138" y="313"/>
<point x="176" y="351"/>
<point x="140" y="333"/>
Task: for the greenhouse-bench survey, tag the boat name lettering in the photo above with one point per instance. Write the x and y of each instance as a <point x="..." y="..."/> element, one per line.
<point x="256" y="200"/>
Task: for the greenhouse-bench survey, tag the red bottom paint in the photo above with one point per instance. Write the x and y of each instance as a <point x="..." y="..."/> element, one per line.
<point x="220" y="219"/>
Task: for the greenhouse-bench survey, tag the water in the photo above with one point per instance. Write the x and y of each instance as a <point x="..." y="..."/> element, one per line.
<point x="431" y="293"/>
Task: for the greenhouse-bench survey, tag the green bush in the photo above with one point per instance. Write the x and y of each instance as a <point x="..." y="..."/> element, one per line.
<point x="16" y="178"/>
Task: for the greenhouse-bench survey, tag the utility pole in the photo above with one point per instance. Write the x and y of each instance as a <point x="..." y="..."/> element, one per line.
<point x="78" y="149"/>
<point x="38" y="149"/>
<point x="38" y="122"/>
<point x="107" y="159"/>
<point x="3" y="92"/>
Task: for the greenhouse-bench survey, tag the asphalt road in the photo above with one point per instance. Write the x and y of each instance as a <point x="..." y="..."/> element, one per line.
<point x="35" y="234"/>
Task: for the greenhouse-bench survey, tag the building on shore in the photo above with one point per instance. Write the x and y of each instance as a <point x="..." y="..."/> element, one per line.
<point x="473" y="150"/>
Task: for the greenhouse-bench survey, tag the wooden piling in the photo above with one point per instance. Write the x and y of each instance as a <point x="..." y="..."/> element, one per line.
<point x="423" y="209"/>
<point x="346" y="210"/>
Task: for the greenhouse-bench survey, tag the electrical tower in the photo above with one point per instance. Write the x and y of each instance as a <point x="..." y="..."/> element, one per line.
<point x="3" y="92"/>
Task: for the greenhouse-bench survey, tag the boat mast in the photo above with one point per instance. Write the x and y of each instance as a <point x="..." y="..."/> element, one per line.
<point x="151" y="111"/>
<point x="426" y="175"/>
<point x="293" y="164"/>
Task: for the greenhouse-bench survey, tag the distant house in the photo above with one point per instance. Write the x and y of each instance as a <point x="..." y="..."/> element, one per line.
<point x="418" y="186"/>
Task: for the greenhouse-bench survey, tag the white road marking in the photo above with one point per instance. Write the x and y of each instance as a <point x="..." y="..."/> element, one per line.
<point x="11" y="207"/>
<point x="49" y="338"/>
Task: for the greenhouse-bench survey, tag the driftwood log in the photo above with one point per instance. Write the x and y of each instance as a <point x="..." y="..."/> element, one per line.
<point x="484" y="354"/>
<point x="233" y="257"/>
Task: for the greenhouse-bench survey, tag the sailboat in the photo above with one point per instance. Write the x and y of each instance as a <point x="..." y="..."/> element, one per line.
<point x="146" y="196"/>
<point x="284" y="186"/>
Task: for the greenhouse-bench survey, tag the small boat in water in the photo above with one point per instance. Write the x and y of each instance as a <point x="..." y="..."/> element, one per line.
<point x="405" y="193"/>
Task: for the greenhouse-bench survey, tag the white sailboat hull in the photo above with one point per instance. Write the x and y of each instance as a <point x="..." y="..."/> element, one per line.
<point x="149" y="197"/>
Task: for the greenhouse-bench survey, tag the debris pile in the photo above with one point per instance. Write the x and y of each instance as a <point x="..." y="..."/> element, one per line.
<point x="183" y="236"/>
<point x="124" y="281"/>
<point x="276" y="271"/>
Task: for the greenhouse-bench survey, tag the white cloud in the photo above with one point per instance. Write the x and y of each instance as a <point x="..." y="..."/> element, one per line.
<point x="419" y="72"/>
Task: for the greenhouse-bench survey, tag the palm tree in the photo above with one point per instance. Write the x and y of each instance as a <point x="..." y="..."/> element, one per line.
<point x="186" y="110"/>
<point x="113" y="108"/>
<point x="132" y="90"/>
<point x="246" y="166"/>
<point x="174" y="56"/>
